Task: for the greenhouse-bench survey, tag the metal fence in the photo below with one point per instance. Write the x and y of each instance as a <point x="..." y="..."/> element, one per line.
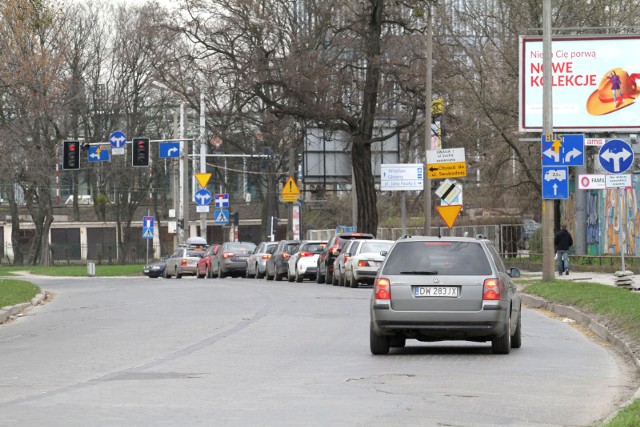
<point x="511" y="240"/>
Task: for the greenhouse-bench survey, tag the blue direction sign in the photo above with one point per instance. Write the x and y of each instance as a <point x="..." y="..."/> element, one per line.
<point x="203" y="197"/>
<point x="222" y="200"/>
<point x="616" y="156"/>
<point x="147" y="227"/>
<point x="221" y="216"/>
<point x="555" y="182"/>
<point x="118" y="139"/>
<point x="98" y="153"/>
<point x="566" y="151"/>
<point x="169" y="150"/>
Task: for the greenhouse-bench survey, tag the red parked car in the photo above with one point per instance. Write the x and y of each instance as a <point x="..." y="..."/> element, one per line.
<point x="204" y="265"/>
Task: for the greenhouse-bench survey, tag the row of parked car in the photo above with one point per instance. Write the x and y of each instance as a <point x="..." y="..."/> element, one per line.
<point x="348" y="259"/>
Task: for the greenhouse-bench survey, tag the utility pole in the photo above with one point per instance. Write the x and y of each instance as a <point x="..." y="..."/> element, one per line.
<point x="184" y="173"/>
<point x="548" y="270"/>
<point x="203" y="160"/>
<point x="427" y="118"/>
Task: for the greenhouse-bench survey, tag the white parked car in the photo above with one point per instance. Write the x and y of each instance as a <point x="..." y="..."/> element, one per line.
<point x="366" y="257"/>
<point x="304" y="262"/>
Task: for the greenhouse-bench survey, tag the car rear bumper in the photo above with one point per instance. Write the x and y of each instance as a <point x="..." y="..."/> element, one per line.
<point x="228" y="266"/>
<point x="441" y="325"/>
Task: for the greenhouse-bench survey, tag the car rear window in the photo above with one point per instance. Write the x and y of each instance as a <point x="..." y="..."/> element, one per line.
<point x="195" y="253"/>
<point x="438" y="257"/>
<point x="244" y="247"/>
<point x="315" y="248"/>
<point x="291" y="247"/>
<point x="375" y="247"/>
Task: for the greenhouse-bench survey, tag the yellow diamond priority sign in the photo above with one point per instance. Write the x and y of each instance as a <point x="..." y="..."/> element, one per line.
<point x="290" y="191"/>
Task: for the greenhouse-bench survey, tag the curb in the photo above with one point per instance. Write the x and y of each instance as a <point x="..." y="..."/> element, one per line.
<point x="10" y="312"/>
<point x="595" y="327"/>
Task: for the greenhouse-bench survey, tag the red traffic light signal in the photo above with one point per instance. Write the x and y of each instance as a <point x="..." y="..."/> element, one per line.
<point x="71" y="155"/>
<point x="140" y="152"/>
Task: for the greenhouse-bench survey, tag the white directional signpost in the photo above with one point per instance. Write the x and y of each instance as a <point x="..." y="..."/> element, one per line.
<point x="118" y="140"/>
<point x="401" y="177"/>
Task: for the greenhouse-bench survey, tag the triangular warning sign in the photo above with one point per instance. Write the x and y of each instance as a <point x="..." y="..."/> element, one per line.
<point x="203" y="179"/>
<point x="449" y="213"/>
<point x="290" y="188"/>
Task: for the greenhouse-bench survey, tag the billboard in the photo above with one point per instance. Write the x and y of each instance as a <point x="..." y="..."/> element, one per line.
<point x="593" y="83"/>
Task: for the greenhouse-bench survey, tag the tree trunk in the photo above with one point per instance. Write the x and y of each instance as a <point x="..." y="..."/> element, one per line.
<point x="365" y="187"/>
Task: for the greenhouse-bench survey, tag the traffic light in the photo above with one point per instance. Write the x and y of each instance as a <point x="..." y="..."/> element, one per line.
<point x="140" y="150"/>
<point x="181" y="223"/>
<point x="236" y="218"/>
<point x="71" y="155"/>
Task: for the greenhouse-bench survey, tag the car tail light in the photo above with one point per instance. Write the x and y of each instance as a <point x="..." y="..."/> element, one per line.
<point x="303" y="254"/>
<point x="227" y="254"/>
<point x="363" y="264"/>
<point x="492" y="289"/>
<point x="183" y="262"/>
<point x="285" y="255"/>
<point x="266" y="256"/>
<point x="382" y="289"/>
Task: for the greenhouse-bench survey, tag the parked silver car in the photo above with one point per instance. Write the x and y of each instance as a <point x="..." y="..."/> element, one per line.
<point x="257" y="261"/>
<point x="365" y="259"/>
<point x="183" y="262"/>
<point x="449" y="288"/>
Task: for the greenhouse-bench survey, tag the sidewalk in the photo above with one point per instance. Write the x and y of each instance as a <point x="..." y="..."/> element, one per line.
<point x="584" y="276"/>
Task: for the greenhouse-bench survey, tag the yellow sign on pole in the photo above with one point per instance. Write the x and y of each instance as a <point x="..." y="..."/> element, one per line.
<point x="447" y="170"/>
<point x="449" y="213"/>
<point x="290" y="191"/>
<point x="203" y="179"/>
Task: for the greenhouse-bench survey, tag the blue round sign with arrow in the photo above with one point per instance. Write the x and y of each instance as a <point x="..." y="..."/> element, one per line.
<point x="203" y="197"/>
<point x="616" y="156"/>
<point x="118" y="139"/>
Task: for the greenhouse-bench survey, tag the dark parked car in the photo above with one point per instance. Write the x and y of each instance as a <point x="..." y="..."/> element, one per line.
<point x="330" y="253"/>
<point x="204" y="264"/>
<point x="278" y="264"/>
<point x="449" y="288"/>
<point x="155" y="269"/>
<point x="231" y="259"/>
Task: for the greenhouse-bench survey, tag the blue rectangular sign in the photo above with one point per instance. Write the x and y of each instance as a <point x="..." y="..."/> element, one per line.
<point x="169" y="150"/>
<point x="98" y="153"/>
<point x="147" y="227"/>
<point x="555" y="182"/>
<point x="566" y="151"/>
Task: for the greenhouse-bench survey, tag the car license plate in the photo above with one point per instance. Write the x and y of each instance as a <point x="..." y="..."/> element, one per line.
<point x="436" y="291"/>
<point x="242" y="258"/>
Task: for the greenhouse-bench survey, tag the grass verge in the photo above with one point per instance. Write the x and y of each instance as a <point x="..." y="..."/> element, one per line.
<point x="14" y="292"/>
<point x="617" y="307"/>
<point x="75" y="271"/>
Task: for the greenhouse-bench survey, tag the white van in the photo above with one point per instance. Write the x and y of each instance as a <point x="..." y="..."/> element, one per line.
<point x="82" y="200"/>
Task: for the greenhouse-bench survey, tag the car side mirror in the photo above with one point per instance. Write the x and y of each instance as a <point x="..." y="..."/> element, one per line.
<point x="514" y="272"/>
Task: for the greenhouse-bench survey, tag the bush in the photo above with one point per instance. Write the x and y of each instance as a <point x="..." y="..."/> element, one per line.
<point x="535" y="242"/>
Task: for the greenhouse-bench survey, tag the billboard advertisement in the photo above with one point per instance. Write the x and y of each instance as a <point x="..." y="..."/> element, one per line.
<point x="595" y="83"/>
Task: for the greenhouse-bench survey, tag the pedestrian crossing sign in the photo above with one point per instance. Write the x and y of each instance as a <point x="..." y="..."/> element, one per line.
<point x="221" y="216"/>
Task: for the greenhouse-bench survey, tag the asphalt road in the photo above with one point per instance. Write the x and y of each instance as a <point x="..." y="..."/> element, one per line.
<point x="145" y="352"/>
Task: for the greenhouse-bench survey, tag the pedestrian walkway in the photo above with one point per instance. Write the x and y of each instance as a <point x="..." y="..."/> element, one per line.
<point x="583" y="276"/>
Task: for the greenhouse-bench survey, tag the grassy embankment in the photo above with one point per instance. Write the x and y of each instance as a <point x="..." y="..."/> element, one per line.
<point x="618" y="307"/>
<point x="75" y="270"/>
